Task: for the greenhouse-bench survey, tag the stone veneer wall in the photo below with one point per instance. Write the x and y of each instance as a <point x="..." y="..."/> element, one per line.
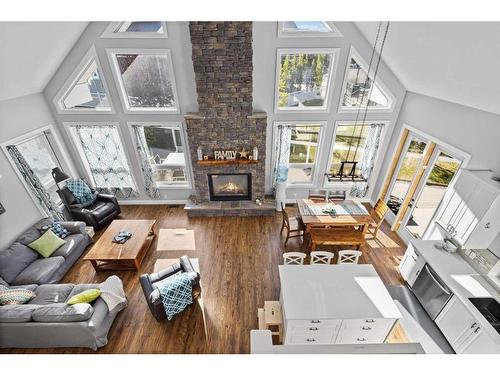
<point x="222" y="61"/>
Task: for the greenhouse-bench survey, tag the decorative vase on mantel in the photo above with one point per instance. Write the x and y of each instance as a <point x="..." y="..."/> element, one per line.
<point x="255" y="153"/>
<point x="200" y="153"/>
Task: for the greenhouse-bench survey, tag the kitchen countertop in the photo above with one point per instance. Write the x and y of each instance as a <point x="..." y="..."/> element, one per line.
<point x="460" y="278"/>
<point x="339" y="291"/>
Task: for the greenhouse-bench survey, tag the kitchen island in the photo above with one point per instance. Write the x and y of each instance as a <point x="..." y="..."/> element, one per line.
<point x="335" y="304"/>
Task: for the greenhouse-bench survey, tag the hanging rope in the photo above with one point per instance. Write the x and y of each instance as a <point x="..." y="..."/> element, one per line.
<point x="374" y="51"/>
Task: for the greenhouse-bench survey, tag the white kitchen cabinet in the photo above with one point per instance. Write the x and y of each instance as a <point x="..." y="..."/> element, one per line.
<point x="462" y="330"/>
<point x="470" y="209"/>
<point x="411" y="265"/>
<point x="479" y="342"/>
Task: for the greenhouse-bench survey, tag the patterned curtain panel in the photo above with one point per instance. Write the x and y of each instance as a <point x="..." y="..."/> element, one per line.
<point x="359" y="189"/>
<point x="147" y="172"/>
<point x="106" y="160"/>
<point x="35" y="185"/>
<point x="282" y="154"/>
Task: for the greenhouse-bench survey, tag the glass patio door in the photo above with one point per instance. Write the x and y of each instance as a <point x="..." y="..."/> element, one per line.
<point x="430" y="192"/>
<point x="409" y="163"/>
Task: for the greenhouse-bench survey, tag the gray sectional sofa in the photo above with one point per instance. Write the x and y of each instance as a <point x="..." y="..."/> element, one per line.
<point x="20" y="265"/>
<point x="47" y="321"/>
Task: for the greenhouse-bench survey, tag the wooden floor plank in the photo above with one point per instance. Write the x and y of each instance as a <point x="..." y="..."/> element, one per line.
<point x="239" y="258"/>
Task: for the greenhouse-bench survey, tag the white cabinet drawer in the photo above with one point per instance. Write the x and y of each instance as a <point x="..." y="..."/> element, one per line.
<point x="313" y="323"/>
<point x="364" y="330"/>
<point x="311" y="339"/>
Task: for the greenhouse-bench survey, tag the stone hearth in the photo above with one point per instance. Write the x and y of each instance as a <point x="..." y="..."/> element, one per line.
<point x="222" y="60"/>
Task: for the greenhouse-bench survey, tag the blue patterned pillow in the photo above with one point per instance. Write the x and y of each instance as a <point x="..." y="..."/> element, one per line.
<point x="81" y="191"/>
<point x="15" y="296"/>
<point x="58" y="230"/>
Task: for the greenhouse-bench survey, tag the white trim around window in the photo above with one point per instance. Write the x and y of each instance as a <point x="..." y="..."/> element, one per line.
<point x="391" y="99"/>
<point x="187" y="168"/>
<point x="110" y="32"/>
<point x="112" y="52"/>
<point x="70" y="82"/>
<point x="329" y="86"/>
<point x="69" y="126"/>
<point x="334" y="32"/>
<point x="316" y="175"/>
<point x="376" y="166"/>
<point x="59" y="151"/>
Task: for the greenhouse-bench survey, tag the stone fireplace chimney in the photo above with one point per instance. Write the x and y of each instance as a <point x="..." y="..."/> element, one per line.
<point x="222" y="60"/>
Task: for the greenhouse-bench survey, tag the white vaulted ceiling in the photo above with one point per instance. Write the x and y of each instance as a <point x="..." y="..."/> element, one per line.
<point x="31" y="52"/>
<point x="454" y="61"/>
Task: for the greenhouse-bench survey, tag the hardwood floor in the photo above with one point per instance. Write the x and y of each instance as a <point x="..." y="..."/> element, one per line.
<point x="238" y="259"/>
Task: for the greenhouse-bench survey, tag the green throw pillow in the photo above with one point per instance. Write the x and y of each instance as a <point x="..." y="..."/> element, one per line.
<point x="84" y="297"/>
<point x="47" y="244"/>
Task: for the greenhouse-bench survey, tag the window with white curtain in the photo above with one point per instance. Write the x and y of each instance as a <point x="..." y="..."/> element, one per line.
<point x="40" y="156"/>
<point x="104" y="158"/>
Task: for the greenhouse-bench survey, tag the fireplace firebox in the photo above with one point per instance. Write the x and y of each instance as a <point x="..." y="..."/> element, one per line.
<point x="230" y="186"/>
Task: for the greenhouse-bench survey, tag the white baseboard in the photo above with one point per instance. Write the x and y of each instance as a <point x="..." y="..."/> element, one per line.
<point x="152" y="202"/>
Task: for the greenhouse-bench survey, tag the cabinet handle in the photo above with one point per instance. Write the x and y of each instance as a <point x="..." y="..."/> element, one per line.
<point x="477" y="329"/>
<point x="473" y="325"/>
<point x="370" y="321"/>
<point x="361" y="339"/>
<point x="366" y="328"/>
<point x="315" y="321"/>
<point x="310" y="340"/>
<point x="313" y="328"/>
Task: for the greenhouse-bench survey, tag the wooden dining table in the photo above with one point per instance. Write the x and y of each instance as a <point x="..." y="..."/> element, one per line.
<point x="348" y="213"/>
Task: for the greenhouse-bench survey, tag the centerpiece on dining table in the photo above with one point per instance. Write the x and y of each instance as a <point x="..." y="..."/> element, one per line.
<point x="329" y="209"/>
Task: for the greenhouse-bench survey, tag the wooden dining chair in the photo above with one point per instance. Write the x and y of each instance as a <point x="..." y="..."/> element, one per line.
<point x="337" y="195"/>
<point x="294" y="226"/>
<point x="349" y="256"/>
<point x="321" y="257"/>
<point x="378" y="214"/>
<point x="318" y="195"/>
<point x="294" y="257"/>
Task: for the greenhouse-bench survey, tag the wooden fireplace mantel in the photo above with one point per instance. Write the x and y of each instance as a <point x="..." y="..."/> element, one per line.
<point x="226" y="162"/>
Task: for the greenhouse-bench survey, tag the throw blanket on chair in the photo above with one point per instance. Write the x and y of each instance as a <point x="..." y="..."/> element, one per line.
<point x="176" y="294"/>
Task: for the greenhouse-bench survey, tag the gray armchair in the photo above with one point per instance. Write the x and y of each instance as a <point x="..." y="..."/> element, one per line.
<point x="151" y="282"/>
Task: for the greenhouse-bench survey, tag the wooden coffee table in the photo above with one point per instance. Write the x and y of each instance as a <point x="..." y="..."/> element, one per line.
<point x="107" y="255"/>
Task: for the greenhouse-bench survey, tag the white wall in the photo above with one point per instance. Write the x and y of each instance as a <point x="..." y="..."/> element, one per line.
<point x="17" y="117"/>
<point x="178" y="42"/>
<point x="470" y="130"/>
<point x="266" y="43"/>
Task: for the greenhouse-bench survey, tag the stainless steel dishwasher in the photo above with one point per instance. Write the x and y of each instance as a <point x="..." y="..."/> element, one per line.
<point x="431" y="292"/>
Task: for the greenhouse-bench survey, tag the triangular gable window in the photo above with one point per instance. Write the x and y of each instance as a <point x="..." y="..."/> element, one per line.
<point x="360" y="89"/>
<point x="85" y="90"/>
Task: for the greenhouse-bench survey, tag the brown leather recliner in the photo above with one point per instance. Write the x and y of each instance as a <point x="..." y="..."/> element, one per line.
<point x="151" y="282"/>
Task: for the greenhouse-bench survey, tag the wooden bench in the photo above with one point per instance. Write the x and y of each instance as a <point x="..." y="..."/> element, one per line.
<point x="335" y="237"/>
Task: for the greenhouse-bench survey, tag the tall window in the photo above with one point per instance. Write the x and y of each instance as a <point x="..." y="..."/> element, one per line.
<point x="349" y="145"/>
<point x="163" y="148"/>
<point x="103" y="156"/>
<point x="359" y="87"/>
<point x="146" y="80"/>
<point x="303" y="152"/>
<point x="85" y="90"/>
<point x="303" y="79"/>
<point x="40" y="156"/>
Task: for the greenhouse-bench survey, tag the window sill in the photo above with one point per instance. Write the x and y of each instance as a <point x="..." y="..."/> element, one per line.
<point x="174" y="187"/>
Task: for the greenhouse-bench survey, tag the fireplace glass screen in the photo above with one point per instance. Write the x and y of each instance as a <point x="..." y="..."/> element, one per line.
<point x="230" y="186"/>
